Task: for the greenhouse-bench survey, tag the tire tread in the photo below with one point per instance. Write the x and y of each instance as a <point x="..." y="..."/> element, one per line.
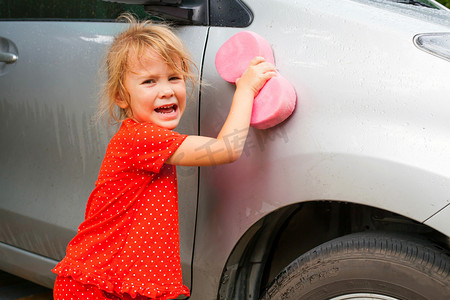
<point x="410" y="250"/>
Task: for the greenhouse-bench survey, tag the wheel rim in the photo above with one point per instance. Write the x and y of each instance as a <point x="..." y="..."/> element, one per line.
<point x="363" y="296"/>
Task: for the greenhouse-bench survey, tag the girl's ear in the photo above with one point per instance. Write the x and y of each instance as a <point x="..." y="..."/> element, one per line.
<point x="122" y="103"/>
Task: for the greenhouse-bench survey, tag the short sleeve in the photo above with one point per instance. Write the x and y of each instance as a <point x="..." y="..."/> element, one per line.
<point x="153" y="145"/>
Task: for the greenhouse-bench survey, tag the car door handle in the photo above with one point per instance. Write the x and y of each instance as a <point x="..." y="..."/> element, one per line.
<point x="8" y="58"/>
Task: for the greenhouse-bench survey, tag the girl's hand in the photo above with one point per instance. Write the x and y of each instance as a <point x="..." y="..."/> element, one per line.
<point x="256" y="75"/>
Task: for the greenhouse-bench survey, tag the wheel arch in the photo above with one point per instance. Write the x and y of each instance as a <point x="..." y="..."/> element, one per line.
<point x="327" y="186"/>
<point x="283" y="235"/>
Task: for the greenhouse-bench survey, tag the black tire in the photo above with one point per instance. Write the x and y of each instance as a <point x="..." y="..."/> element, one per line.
<point x="374" y="265"/>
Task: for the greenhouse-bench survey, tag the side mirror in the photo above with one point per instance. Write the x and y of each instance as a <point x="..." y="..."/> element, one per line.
<point x="194" y="12"/>
<point x="224" y="13"/>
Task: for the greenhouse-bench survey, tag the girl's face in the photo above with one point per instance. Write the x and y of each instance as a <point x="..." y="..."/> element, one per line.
<point x="157" y="92"/>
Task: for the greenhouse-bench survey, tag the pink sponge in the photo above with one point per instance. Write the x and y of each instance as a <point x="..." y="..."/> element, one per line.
<point x="235" y="55"/>
<point x="276" y="100"/>
<point x="274" y="103"/>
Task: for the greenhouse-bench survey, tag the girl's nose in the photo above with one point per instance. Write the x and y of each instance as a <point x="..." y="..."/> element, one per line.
<point x="166" y="92"/>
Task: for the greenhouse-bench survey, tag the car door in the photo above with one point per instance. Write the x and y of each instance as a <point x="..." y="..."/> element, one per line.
<point x="51" y="149"/>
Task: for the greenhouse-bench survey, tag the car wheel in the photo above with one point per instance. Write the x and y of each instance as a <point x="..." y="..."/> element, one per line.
<point x="382" y="266"/>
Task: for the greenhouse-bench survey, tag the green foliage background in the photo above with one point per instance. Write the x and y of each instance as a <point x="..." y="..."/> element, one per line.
<point x="445" y="2"/>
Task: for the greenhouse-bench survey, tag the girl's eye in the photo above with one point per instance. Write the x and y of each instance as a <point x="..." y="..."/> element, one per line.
<point x="175" y="78"/>
<point x="148" y="81"/>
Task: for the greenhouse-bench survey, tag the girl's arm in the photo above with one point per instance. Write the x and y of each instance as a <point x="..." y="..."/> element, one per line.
<point x="229" y="144"/>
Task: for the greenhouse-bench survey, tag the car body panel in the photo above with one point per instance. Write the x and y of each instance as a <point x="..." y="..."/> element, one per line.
<point x="52" y="148"/>
<point x="363" y="130"/>
<point x="441" y="220"/>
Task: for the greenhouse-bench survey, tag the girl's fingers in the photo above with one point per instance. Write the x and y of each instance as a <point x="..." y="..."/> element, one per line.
<point x="256" y="60"/>
<point x="260" y="64"/>
<point x="256" y="75"/>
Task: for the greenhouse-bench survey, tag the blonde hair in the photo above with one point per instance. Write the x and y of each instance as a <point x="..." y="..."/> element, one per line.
<point x="139" y="37"/>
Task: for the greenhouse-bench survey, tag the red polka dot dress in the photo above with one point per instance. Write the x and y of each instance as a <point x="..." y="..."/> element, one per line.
<point x="129" y="241"/>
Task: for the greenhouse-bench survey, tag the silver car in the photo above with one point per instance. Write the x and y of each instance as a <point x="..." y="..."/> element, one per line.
<point x="349" y="198"/>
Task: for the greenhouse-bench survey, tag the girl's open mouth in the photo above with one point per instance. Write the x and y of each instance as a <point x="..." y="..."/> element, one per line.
<point x="167" y="109"/>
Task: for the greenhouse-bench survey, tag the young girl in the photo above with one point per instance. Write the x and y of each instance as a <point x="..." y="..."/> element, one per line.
<point x="128" y="245"/>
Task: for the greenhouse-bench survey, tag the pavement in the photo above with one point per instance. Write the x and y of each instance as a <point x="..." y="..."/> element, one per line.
<point x="15" y="288"/>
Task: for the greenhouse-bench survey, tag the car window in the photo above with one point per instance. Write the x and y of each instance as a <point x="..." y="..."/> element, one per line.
<point x="66" y="10"/>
